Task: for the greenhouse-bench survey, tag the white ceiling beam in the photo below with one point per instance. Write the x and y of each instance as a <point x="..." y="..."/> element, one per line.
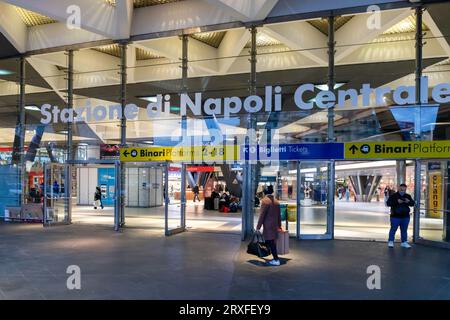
<point x="396" y="47"/>
<point x="178" y="15"/>
<point x="436" y="32"/>
<point x="301" y="35"/>
<point x="57" y="35"/>
<point x="51" y="75"/>
<point x="157" y="70"/>
<point x="9" y="88"/>
<point x="96" y="16"/>
<point x="131" y="63"/>
<point x="231" y="46"/>
<point x="355" y="33"/>
<point x="171" y="48"/>
<point x="272" y="58"/>
<point x="254" y="10"/>
<point x="124" y="16"/>
<point x="12" y="27"/>
<point x="87" y="60"/>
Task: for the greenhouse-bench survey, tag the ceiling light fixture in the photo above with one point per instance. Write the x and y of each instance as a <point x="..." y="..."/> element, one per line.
<point x="4" y="72"/>
<point x="32" y="108"/>
<point x="150" y="99"/>
<point x="324" y="87"/>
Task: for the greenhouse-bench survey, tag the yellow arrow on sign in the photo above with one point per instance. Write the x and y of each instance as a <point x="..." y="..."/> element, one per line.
<point x="397" y="150"/>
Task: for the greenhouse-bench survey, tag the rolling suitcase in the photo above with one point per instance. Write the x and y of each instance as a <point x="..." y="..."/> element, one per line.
<point x="283" y="242"/>
<point x="216" y="203"/>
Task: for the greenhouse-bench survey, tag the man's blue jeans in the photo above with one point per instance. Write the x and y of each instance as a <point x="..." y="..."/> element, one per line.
<point x="403" y="224"/>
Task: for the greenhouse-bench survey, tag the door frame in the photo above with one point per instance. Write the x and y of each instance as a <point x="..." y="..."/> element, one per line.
<point x="329" y="234"/>
<point x="48" y="168"/>
<point x="165" y="165"/>
<point x="118" y="190"/>
<point x="182" y="228"/>
<point x="417" y="218"/>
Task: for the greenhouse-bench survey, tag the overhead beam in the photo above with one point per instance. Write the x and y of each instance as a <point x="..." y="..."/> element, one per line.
<point x="171" y="48"/>
<point x="231" y="47"/>
<point x="96" y="16"/>
<point x="254" y="10"/>
<point x="51" y="75"/>
<point x="436" y="32"/>
<point x="393" y="47"/>
<point x="12" y="27"/>
<point x="57" y="35"/>
<point x="181" y="15"/>
<point x="355" y="33"/>
<point x="302" y="36"/>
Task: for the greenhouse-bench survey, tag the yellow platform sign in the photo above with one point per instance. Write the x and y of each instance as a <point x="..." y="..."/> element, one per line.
<point x="196" y="154"/>
<point x="434" y="195"/>
<point x="397" y="149"/>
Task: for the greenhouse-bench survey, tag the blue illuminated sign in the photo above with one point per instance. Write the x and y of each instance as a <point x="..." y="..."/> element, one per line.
<point x="302" y="151"/>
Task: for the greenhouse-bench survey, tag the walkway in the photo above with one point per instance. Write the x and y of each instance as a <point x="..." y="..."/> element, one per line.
<point x="143" y="264"/>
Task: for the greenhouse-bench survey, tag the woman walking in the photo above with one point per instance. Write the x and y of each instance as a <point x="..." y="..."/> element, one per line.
<point x="270" y="220"/>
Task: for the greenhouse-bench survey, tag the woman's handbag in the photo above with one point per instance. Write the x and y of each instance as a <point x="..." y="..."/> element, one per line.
<point x="257" y="246"/>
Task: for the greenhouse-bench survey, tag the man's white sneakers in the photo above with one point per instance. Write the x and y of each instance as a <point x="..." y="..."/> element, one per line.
<point x="274" y="262"/>
<point x="391" y="244"/>
<point x="405" y="245"/>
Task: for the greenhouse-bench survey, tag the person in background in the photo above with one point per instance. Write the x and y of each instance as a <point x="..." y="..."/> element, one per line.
<point x="270" y="220"/>
<point x="98" y="198"/>
<point x="386" y="194"/>
<point x="196" y="191"/>
<point x="55" y="188"/>
<point x="347" y="194"/>
<point x="400" y="203"/>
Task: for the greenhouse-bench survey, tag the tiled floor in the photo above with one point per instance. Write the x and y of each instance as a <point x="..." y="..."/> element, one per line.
<point x="143" y="264"/>
<point x="352" y="220"/>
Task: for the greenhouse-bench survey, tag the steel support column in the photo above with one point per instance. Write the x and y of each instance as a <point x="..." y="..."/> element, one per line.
<point x="184" y="77"/>
<point x="21" y="125"/>
<point x="69" y="104"/>
<point x="250" y="168"/>
<point x="299" y="186"/>
<point x="330" y="128"/>
<point x="184" y="135"/>
<point x="418" y="131"/>
<point x="70" y="151"/>
<point x="123" y="126"/>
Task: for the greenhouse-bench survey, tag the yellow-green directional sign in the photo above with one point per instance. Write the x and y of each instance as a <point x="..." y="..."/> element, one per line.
<point x="180" y="154"/>
<point x="397" y="149"/>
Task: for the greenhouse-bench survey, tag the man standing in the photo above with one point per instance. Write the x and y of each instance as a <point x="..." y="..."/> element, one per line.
<point x="400" y="203"/>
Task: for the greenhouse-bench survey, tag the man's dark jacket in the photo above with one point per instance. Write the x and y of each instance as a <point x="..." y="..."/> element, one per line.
<point x="400" y="210"/>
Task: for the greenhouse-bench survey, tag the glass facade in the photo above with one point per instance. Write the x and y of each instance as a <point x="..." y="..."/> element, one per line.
<point x="196" y="90"/>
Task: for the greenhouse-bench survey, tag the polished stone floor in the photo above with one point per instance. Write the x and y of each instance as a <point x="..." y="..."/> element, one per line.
<point x="368" y="221"/>
<point x="143" y="264"/>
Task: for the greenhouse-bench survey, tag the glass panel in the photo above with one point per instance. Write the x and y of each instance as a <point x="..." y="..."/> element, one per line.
<point x="56" y="202"/>
<point x="313" y="211"/>
<point x="434" y="205"/>
<point x="174" y="173"/>
<point x="362" y="190"/>
<point x="282" y="177"/>
<point x="144" y="195"/>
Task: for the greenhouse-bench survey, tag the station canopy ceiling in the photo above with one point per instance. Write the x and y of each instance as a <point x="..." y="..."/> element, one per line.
<point x="289" y="53"/>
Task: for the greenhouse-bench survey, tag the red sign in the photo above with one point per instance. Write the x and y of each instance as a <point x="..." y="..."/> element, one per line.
<point x="200" y="169"/>
<point x="10" y="149"/>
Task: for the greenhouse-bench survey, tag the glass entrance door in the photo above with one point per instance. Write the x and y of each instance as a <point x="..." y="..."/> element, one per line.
<point x="57" y="201"/>
<point x="434" y="221"/>
<point x="314" y="215"/>
<point x="175" y="198"/>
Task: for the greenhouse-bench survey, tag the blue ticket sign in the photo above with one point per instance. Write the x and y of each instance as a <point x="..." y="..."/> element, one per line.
<point x="302" y="151"/>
